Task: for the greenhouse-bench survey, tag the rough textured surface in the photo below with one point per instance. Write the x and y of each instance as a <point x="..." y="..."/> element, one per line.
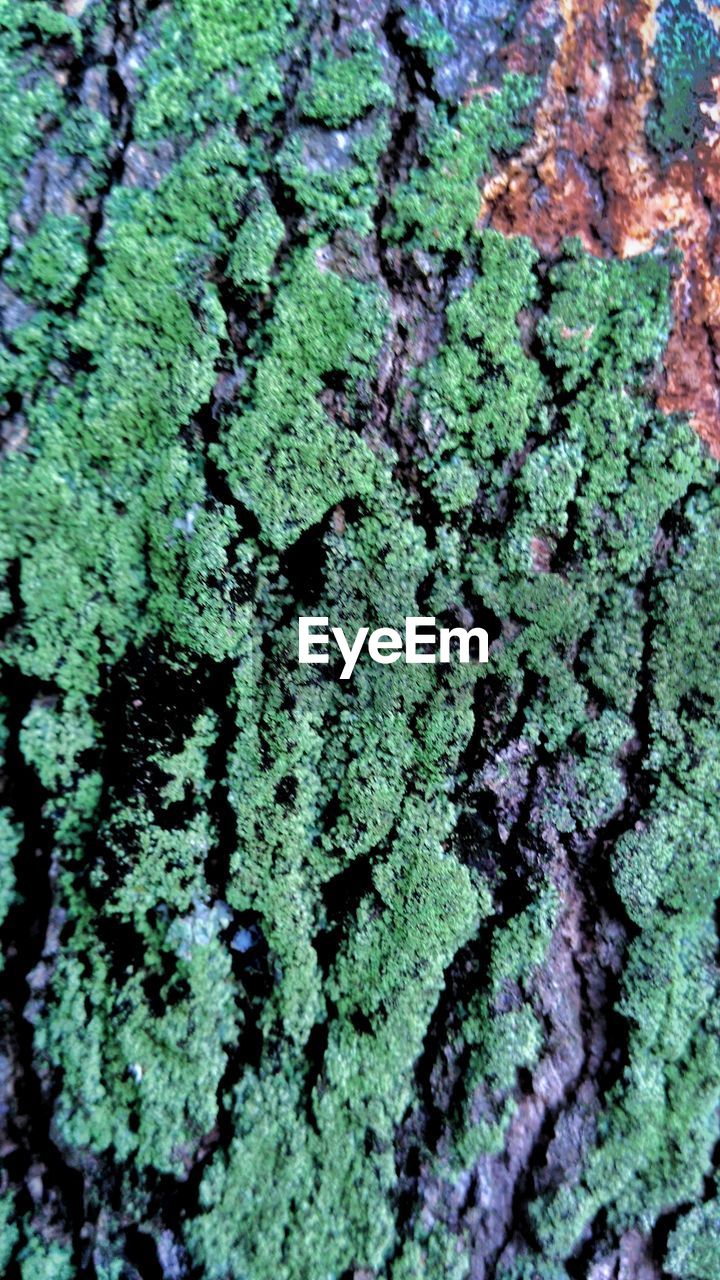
<point x="625" y="151"/>
<point x="368" y="310"/>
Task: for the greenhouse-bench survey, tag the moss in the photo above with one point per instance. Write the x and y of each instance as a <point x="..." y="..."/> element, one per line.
<point x="343" y="89"/>
<point x="70" y="543"/>
<point x="501" y="1032"/>
<point x="693" y="1251"/>
<point x="10" y="840"/>
<point x="9" y="844"/>
<point x="609" y="320"/>
<point x="437" y="1254"/>
<point x="212" y="62"/>
<point x="85" y="138"/>
<point x="613" y="656"/>
<point x="28" y="98"/>
<point x="141" y="1068"/>
<point x="332" y="161"/>
<point x="334" y="176"/>
<point x="286" y="461"/>
<point x="439" y="205"/>
<point x="150" y="328"/>
<point x="51" y="264"/>
<point x="531" y="1268"/>
<point x="320" y="1202"/>
<point x="483" y="394"/>
<point x="268" y="878"/>
<point x="293" y="1172"/>
<point x="687" y="55"/>
<point x="56" y="739"/>
<point x="597" y="510"/>
<point x="38" y="16"/>
<point x="9" y="1230"/>
<point x="590" y="787"/>
<point x="39" y="1260"/>
<point x="426" y="32"/>
<point x="666" y="874"/>
<point x="255" y="247"/>
<point x="186" y="769"/>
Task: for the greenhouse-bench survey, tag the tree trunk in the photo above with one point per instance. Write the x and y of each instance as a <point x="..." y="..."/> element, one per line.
<point x="367" y="968"/>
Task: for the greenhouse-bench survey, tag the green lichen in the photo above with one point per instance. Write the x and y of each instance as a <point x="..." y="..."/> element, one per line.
<point x="501" y="1033"/>
<point x="255" y="247"/>
<point x="334" y="176"/>
<point x="153" y="1041"/>
<point x="435" y="1254"/>
<point x="693" y="1249"/>
<point x="331" y="162"/>
<point x="283" y="903"/>
<point x="41" y="1261"/>
<point x="438" y="207"/>
<point x="51" y="264"/>
<point x="428" y="34"/>
<point x="286" y="460"/>
<point x="9" y="1232"/>
<point x="211" y="62"/>
<point x="10" y="838"/>
<point x="687" y="55"/>
<point x="28" y="97"/>
<point x="344" y="89"/>
<point x="483" y="394"/>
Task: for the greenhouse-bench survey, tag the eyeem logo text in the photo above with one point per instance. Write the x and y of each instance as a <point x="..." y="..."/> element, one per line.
<point x="422" y="643"/>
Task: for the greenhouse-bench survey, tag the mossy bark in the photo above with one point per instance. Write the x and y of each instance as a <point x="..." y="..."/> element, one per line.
<point x="412" y="975"/>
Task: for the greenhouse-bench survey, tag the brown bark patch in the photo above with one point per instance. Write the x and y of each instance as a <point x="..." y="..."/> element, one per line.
<point x="588" y="171"/>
